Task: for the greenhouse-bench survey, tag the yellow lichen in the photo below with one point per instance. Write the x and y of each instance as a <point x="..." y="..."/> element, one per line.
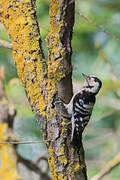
<point x="55" y="67"/>
<point x="77" y="167"/>
<point x="61" y="151"/>
<point x="60" y="177"/>
<point x="54" y="10"/>
<point x="52" y="163"/>
<point x="63" y="130"/>
<point x="62" y="159"/>
<point x="24" y="33"/>
<point x="3" y="135"/>
<point x="63" y="123"/>
<point x="8" y="168"/>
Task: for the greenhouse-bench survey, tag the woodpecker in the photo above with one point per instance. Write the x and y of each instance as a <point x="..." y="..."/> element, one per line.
<point x="81" y="106"/>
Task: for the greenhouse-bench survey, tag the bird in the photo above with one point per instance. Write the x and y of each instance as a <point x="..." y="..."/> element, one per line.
<point x="81" y="106"/>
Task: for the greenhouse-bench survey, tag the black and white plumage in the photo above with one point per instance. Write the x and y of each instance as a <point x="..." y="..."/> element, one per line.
<point x="81" y="106"/>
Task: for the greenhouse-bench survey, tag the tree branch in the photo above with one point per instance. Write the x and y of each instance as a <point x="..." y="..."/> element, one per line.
<point x="33" y="167"/>
<point x="106" y="61"/>
<point x="108" y="167"/>
<point x="63" y="159"/>
<point x="27" y="52"/>
<point x="60" y="51"/>
<point x="17" y="142"/>
<point x="101" y="28"/>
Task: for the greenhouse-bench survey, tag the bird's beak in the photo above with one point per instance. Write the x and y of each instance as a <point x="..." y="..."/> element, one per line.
<point x="87" y="78"/>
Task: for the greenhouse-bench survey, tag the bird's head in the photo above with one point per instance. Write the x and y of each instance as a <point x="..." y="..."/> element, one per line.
<point x="92" y="84"/>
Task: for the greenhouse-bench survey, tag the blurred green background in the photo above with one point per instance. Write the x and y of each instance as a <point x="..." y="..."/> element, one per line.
<point x="102" y="136"/>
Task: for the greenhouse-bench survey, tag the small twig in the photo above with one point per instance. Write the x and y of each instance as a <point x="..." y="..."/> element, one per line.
<point x="32" y="166"/>
<point x="111" y="102"/>
<point x="25" y="142"/>
<point x="104" y="58"/>
<point x="107" y="114"/>
<point x="97" y="25"/>
<point x="109" y="166"/>
<point x="5" y="44"/>
<point x="40" y="159"/>
<point x="91" y="144"/>
<point x="43" y="158"/>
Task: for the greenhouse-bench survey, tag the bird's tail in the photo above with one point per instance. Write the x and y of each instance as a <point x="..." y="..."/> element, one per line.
<point x="77" y="142"/>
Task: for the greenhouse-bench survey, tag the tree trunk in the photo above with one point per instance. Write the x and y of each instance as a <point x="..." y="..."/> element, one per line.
<point x="44" y="83"/>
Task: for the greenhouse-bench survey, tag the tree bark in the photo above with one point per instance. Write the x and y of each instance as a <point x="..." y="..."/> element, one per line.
<point x="63" y="159"/>
<point x="43" y="84"/>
